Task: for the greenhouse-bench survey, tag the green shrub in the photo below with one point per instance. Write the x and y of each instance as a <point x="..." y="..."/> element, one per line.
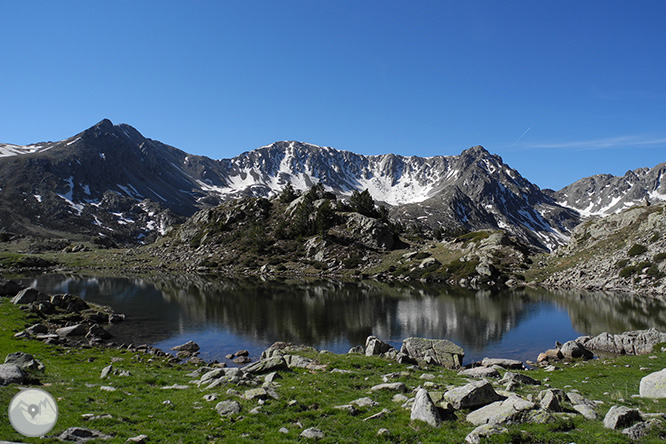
<point x="627" y="271"/>
<point x="637" y="249"/>
<point x="659" y="257"/>
<point x="622" y="263"/>
<point x="654" y="238"/>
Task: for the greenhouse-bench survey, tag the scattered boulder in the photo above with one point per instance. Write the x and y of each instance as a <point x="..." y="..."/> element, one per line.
<point x="74" y="330"/>
<point x="274" y="364"/>
<point x="241" y="360"/>
<point x="635" y="342"/>
<point x="514" y="409"/>
<point x="11" y="374"/>
<point x="375" y="346"/>
<point x="392" y="386"/>
<point x="518" y="378"/>
<point x="356" y="350"/>
<point x="588" y="412"/>
<point x="472" y="395"/>
<point x="509" y="364"/>
<point x="228" y="408"/>
<point x="37" y="329"/>
<point x="434" y="351"/>
<point x="619" y="417"/>
<point x="480" y="372"/>
<point x="312" y="433"/>
<point x="653" y="385"/>
<point x="29" y="295"/>
<point x="25" y="362"/>
<point x="574" y="350"/>
<point x="551" y="400"/>
<point x="364" y="402"/>
<point x="484" y="431"/>
<point x="285" y="348"/>
<point x="141" y="439"/>
<point x="98" y="332"/>
<point x="424" y="409"/>
<point x="189" y="346"/>
<point x="81" y="435"/>
<point x="639" y="430"/>
<point x="553" y="354"/>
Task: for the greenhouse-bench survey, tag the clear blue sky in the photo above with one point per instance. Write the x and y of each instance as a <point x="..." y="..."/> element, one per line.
<point x="559" y="89"/>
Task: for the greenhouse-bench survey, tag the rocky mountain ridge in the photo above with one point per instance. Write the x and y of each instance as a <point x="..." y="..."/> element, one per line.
<point x="111" y="182"/>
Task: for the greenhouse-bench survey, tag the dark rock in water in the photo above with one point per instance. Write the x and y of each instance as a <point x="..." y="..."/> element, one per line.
<point x="24" y="361"/>
<point x="189" y="346"/>
<point x="242" y="353"/>
<point x="98" y="332"/>
<point x="11" y="374"/>
<point x="28" y="295"/>
<point x="434" y="351"/>
<point x="242" y="360"/>
<point x="9" y="287"/>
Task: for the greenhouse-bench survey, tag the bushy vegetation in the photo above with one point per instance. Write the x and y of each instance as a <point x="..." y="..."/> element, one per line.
<point x="637" y="249"/>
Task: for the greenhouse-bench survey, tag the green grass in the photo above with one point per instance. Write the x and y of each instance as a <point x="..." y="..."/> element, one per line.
<point x="72" y="376"/>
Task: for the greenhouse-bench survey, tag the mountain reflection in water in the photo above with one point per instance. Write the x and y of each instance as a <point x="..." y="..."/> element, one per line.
<point x="227" y="314"/>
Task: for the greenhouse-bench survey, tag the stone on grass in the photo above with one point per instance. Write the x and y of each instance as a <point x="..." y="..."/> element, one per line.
<point x="80" y="435"/>
<point x="284" y="430"/>
<point x="383" y="432"/>
<point x="551" y="400"/>
<point x="375" y="346"/>
<point x="480" y="372"/>
<point x="392" y="386"/>
<point x="512" y="410"/>
<point x="588" y="412"/>
<point x="312" y="433"/>
<point x="484" y="431"/>
<point x="472" y="395"/>
<point x="25" y="361"/>
<point x="347" y="408"/>
<point x="228" y="408"/>
<point x="141" y="439"/>
<point x="518" y="378"/>
<point x="654" y="385"/>
<point x="274" y="364"/>
<point x="639" y="430"/>
<point x="364" y="402"/>
<point x="504" y="363"/>
<point x="620" y="417"/>
<point x="11" y="374"/>
<point x="424" y="409"/>
<point x="553" y="354"/>
<point x="434" y="351"/>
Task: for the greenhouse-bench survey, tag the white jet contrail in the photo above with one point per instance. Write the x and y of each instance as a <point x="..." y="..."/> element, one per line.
<point x="521" y="136"/>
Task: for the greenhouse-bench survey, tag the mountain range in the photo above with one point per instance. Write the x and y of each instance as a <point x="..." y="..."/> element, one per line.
<point x="111" y="182"/>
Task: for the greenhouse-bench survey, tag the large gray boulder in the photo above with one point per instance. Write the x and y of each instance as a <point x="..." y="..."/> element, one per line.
<point x="504" y="363"/>
<point x="228" y="408"/>
<point x="189" y="346"/>
<point x="653" y="385"/>
<point x="483" y="432"/>
<point x="74" y="330"/>
<point x="480" y="372"/>
<point x="424" y="409"/>
<point x="28" y="295"/>
<point x="620" y="417"/>
<point x="512" y="410"/>
<point x="274" y="364"/>
<point x="375" y="346"/>
<point x="635" y="342"/>
<point x="434" y="351"/>
<point x="11" y="374"/>
<point x="574" y="350"/>
<point x="24" y="361"/>
<point x="472" y="395"/>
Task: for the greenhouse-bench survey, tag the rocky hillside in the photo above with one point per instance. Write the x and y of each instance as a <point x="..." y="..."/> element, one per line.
<point x="622" y="252"/>
<point x="604" y="194"/>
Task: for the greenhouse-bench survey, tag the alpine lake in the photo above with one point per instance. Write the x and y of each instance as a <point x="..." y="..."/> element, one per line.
<point x="224" y="315"/>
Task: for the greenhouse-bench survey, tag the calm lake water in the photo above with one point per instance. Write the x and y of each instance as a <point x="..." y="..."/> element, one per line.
<point x="226" y="315"/>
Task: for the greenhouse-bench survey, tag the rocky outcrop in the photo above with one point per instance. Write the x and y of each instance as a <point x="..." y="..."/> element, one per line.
<point x="434" y="351"/>
<point x="635" y="342"/>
